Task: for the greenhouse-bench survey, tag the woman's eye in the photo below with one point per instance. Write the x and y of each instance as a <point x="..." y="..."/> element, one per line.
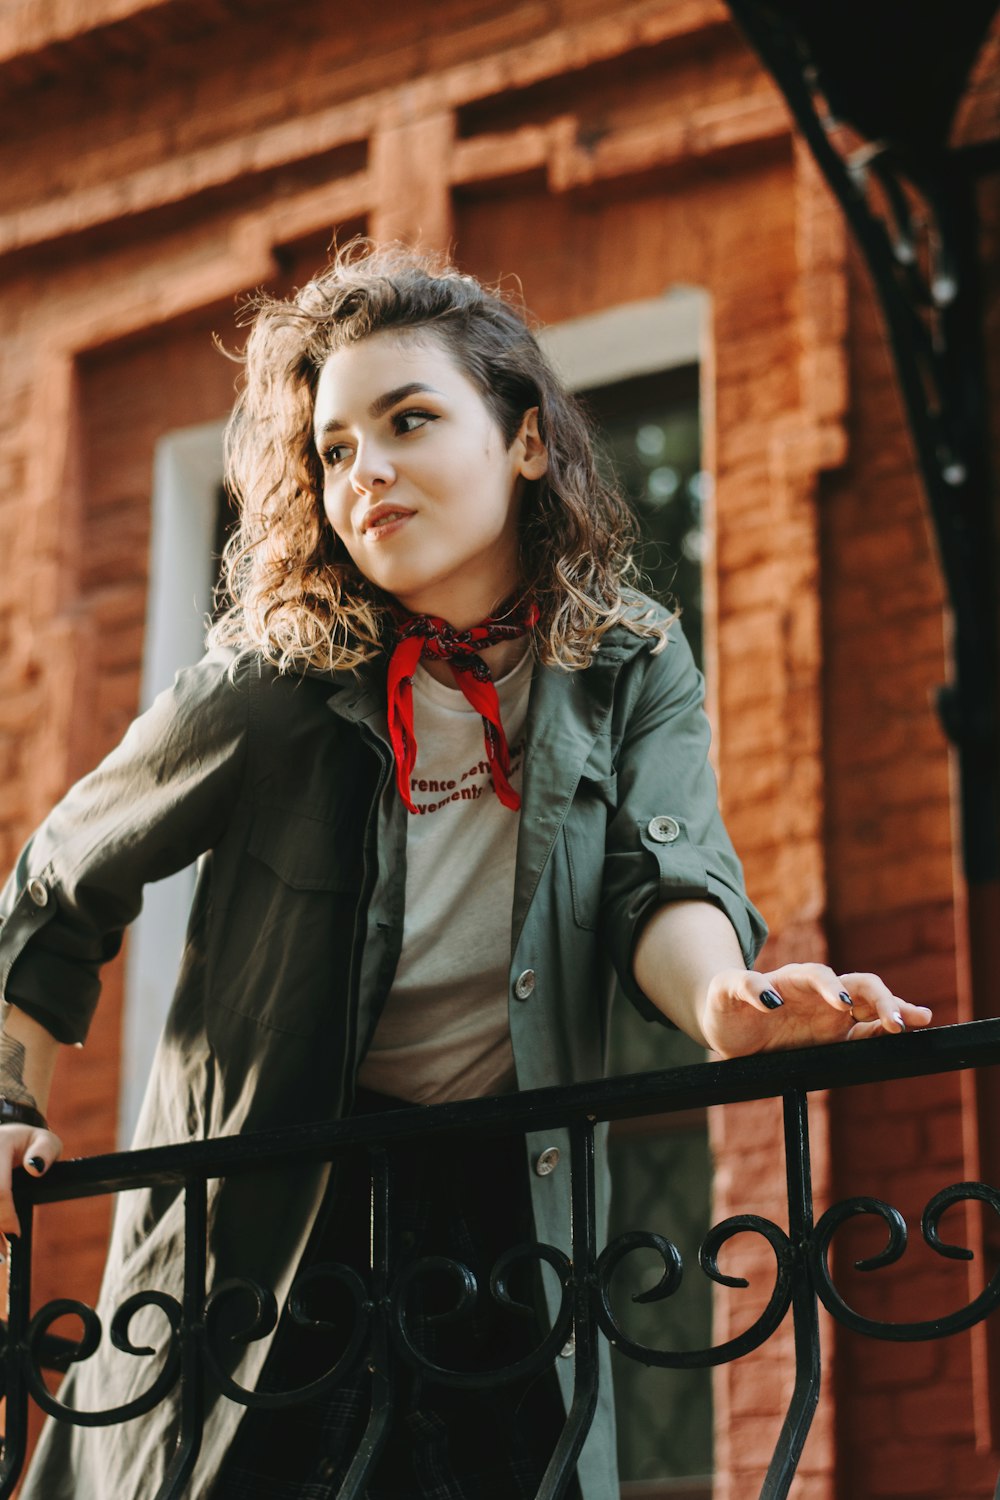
<point x="335" y="454"/>
<point x="409" y="421"/>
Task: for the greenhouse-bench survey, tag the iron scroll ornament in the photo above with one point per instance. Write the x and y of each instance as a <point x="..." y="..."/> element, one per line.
<point x="695" y="1359"/>
<point x="538" y="1359"/>
<point x="818" y="1252"/>
<point x="812" y="1255"/>
<point x="88" y="1344"/>
<point x="264" y="1320"/>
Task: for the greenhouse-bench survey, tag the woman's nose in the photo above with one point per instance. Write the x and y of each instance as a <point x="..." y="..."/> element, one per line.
<point x="371" y="468"/>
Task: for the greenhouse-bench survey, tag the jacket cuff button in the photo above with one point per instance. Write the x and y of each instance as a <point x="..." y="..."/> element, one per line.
<point x="547" y="1162"/>
<point x="664" y="829"/>
<point x="38" y="891"/>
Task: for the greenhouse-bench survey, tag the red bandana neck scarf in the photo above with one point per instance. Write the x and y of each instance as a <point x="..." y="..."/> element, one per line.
<point x="426" y="635"/>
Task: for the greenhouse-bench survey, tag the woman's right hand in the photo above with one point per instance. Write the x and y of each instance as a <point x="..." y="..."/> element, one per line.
<point x="26" y="1146"/>
<point x="27" y="1059"/>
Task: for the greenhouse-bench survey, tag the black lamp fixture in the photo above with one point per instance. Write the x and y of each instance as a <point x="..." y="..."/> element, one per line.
<point x="874" y="86"/>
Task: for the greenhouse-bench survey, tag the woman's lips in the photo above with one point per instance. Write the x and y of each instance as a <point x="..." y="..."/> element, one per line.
<point x="378" y="527"/>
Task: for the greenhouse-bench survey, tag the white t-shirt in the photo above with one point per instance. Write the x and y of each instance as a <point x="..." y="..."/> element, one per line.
<point x="444" y="1032"/>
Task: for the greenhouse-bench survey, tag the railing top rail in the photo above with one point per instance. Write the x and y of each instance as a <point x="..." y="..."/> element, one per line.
<point x="940" y="1049"/>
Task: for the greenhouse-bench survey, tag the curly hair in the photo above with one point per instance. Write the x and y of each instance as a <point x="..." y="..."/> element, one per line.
<point x="290" y="591"/>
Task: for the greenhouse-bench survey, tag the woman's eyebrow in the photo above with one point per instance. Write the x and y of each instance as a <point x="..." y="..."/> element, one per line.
<point x="381" y="404"/>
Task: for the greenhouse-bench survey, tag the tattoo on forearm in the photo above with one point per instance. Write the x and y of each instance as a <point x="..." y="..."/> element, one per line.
<point x="12" y="1084"/>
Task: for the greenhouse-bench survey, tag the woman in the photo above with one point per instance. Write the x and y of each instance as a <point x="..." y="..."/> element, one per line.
<point x="447" y="771"/>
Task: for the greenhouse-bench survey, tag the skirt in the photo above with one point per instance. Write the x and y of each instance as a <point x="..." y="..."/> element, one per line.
<point x="464" y="1199"/>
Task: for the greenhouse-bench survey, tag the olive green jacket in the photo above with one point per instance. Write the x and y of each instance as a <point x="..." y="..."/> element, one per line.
<point x="282" y="786"/>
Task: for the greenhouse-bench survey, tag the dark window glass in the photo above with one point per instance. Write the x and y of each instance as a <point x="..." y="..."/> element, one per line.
<point x="650" y="438"/>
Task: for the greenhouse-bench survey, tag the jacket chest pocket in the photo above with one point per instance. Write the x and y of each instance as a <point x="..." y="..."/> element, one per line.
<point x="285" y="950"/>
<point x="584" y="835"/>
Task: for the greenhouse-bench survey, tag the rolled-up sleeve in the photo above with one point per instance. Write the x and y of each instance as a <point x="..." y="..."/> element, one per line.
<point x="666" y="840"/>
<point x="156" y="803"/>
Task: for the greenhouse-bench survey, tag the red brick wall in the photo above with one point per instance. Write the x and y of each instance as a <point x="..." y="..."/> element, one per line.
<point x="602" y="156"/>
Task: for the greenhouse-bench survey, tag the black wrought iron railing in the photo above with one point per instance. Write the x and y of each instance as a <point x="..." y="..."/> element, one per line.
<point x="380" y="1335"/>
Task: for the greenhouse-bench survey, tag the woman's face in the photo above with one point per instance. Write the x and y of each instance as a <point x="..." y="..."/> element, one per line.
<point x="417" y="480"/>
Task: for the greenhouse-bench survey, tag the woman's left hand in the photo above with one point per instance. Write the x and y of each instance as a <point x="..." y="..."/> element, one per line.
<point x="800" y="1005"/>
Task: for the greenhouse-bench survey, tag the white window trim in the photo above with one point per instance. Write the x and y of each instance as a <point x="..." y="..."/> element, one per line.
<point x="187" y="472"/>
<point x="634" y="338"/>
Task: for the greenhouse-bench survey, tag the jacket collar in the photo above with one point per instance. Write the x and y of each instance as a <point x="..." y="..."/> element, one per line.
<point x="360" y="696"/>
<point x="566" y="713"/>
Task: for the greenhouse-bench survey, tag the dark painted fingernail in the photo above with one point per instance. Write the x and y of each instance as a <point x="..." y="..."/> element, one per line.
<point x="38" y="1163"/>
<point x="770" y="999"/>
<point x="846" y="998"/>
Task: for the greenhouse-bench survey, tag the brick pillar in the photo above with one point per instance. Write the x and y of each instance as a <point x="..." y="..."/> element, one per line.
<point x="409" y="163"/>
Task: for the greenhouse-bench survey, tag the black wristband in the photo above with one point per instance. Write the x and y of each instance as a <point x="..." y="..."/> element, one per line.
<point x="13" y="1112"/>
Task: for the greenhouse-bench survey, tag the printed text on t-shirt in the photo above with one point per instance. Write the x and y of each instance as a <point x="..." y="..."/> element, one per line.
<point x="468" y="787"/>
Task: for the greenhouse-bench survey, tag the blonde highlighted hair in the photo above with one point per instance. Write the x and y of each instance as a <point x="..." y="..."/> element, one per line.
<point x="290" y="591"/>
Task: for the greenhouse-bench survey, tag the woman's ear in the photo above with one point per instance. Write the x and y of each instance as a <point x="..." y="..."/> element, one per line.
<point x="532" y="455"/>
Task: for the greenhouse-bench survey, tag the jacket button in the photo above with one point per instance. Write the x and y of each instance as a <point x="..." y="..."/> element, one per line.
<point x="524" y="984"/>
<point x="548" y="1161"/>
<point x="663" y="829"/>
<point x="38" y="891"/>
